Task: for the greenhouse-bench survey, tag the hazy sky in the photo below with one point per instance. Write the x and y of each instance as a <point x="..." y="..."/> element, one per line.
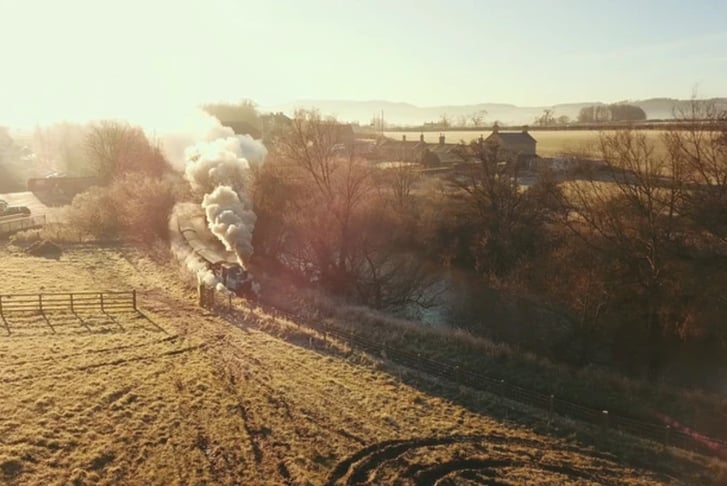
<point x="88" y="58"/>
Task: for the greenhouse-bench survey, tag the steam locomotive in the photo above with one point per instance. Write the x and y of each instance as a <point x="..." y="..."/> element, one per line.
<point x="223" y="265"/>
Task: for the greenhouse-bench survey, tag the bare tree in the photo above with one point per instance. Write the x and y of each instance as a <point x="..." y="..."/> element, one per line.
<point x="445" y="121"/>
<point x="698" y="147"/>
<point x="116" y="148"/>
<point x="477" y="118"/>
<point x="545" y="119"/>
<point x="10" y="176"/>
<point x="504" y="222"/>
<point x="402" y="179"/>
<point x="632" y="218"/>
<point x="60" y="147"/>
<point x="337" y="228"/>
<point x="309" y="144"/>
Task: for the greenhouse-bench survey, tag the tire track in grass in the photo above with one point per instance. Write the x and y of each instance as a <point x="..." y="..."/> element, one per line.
<point x="439" y="460"/>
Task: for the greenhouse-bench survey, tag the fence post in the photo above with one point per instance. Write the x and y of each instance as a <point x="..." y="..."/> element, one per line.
<point x="133" y="298"/>
<point x="73" y="311"/>
<point x="101" y="295"/>
<point x="551" y="402"/>
<point x="40" y="303"/>
<point x="667" y="433"/>
<point x="604" y="420"/>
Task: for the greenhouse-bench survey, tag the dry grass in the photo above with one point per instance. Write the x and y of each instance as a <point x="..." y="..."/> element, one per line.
<point x="184" y="397"/>
<point x="598" y="389"/>
<point x="551" y="143"/>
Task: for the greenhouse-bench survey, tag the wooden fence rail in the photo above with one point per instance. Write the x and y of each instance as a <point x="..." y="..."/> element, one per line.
<point x="68" y="302"/>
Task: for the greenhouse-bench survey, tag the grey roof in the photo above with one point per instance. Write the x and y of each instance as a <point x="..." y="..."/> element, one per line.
<point x="448" y="153"/>
<point x="513" y="137"/>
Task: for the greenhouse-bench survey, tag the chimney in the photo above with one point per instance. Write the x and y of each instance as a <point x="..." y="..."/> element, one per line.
<point x="421" y="137"/>
<point x="403" y="138"/>
<point x="495" y="128"/>
<point x="441" y="139"/>
<point x="525" y="129"/>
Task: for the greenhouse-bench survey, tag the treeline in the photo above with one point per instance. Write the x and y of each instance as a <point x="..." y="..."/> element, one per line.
<point x="633" y="256"/>
<point x="617" y="112"/>
<point x="244" y="118"/>
<point x="136" y="185"/>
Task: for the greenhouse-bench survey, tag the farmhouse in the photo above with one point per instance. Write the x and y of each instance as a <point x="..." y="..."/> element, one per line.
<point x="401" y="150"/>
<point x="427" y="154"/>
<point x="519" y="146"/>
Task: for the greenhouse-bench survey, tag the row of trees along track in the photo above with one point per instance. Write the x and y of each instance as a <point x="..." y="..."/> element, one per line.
<point x="622" y="252"/>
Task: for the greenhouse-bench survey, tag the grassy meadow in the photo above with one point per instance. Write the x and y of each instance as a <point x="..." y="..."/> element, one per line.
<point x="551" y="143"/>
<point x="178" y="395"/>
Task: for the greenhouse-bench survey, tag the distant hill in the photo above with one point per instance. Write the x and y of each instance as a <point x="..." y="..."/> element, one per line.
<point x="408" y="114"/>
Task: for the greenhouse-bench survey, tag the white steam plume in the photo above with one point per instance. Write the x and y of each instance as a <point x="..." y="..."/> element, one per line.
<point x="184" y="252"/>
<point x="225" y="161"/>
<point x="231" y="220"/>
<point x="221" y="169"/>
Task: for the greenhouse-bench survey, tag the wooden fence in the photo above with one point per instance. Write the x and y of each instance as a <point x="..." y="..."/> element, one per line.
<point x="105" y="302"/>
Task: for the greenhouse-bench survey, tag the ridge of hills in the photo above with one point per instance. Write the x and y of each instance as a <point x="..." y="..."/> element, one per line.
<point x="400" y="113"/>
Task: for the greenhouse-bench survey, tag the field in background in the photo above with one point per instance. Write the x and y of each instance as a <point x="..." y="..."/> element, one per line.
<point x="181" y="396"/>
<point x="551" y="143"/>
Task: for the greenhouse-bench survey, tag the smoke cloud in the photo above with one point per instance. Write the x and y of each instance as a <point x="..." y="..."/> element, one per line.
<point x="225" y="161"/>
<point x="231" y="220"/>
<point x="221" y="170"/>
<point x="184" y="252"/>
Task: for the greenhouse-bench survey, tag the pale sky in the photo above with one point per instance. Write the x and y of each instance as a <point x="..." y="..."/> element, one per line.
<point x="86" y="59"/>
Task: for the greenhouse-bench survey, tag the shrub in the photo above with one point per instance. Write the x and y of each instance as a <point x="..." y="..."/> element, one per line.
<point x="135" y="207"/>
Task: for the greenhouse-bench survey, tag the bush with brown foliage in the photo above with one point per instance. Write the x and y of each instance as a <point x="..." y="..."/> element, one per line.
<point x="134" y="207"/>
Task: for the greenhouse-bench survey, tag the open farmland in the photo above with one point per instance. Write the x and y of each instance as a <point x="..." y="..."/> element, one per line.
<point x="551" y="143"/>
<point x="181" y="396"/>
